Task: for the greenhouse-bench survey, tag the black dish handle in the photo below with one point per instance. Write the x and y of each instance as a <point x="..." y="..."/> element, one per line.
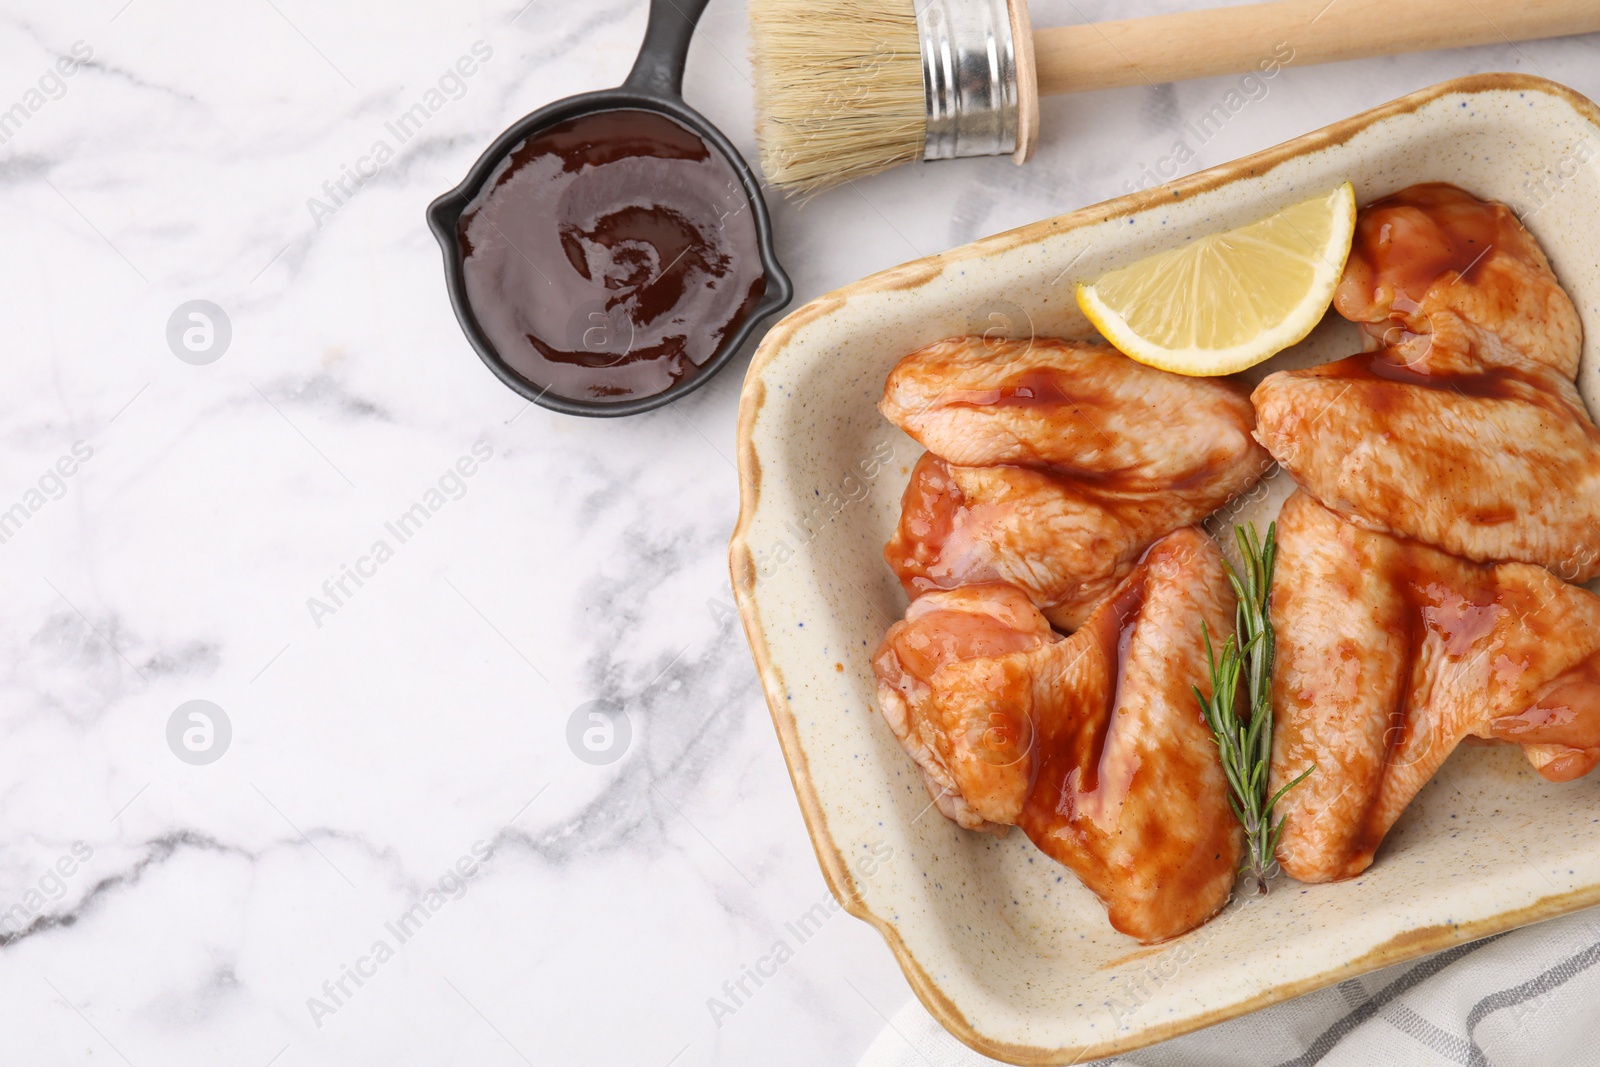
<point x="659" y="69"/>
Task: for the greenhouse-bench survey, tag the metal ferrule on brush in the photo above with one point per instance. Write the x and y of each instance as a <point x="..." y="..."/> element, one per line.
<point x="969" y="73"/>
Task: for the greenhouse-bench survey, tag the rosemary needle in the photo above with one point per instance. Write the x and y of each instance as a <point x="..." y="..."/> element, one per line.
<point x="1246" y="746"/>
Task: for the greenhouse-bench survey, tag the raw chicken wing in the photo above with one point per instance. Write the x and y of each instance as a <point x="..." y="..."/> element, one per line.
<point x="1083" y="410"/>
<point x="1093" y="744"/>
<point x="1054" y="464"/>
<point x="1464" y="430"/>
<point x="945" y="627"/>
<point x="1065" y="546"/>
<point x="1389" y="654"/>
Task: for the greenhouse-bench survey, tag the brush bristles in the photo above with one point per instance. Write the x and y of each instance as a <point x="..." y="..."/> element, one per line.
<point x="838" y="89"/>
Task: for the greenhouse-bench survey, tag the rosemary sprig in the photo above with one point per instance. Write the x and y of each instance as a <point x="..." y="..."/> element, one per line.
<point x="1246" y="746"/>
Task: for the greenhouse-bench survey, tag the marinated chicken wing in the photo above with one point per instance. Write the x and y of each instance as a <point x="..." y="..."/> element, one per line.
<point x="1434" y="259"/>
<point x="1389" y="654"/>
<point x="945" y="627"/>
<point x="1082" y="410"/>
<point x="1065" y="461"/>
<point x="1464" y="430"/>
<point x="1093" y="744"/>
<point x="1064" y="544"/>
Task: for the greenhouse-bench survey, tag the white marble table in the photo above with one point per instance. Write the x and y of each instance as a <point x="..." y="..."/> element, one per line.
<point x="173" y="531"/>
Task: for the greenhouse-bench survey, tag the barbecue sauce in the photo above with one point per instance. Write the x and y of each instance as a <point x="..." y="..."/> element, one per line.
<point x="610" y="256"/>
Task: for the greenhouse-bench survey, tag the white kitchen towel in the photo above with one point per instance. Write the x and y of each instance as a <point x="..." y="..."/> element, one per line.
<point x="1528" y="998"/>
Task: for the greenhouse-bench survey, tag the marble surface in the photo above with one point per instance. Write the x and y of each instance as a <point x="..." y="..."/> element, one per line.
<point x="398" y="854"/>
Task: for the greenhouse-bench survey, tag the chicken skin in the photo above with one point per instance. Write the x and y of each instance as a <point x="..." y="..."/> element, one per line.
<point x="1081" y="410"/>
<point x="1065" y="501"/>
<point x="1094" y="743"/>
<point x="1462" y="428"/>
<point x="1389" y="654"/>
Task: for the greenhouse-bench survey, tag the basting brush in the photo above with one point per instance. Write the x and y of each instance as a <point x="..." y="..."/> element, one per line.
<point x="846" y="88"/>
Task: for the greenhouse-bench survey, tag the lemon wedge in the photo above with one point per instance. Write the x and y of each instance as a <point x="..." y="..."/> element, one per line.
<point x="1227" y="301"/>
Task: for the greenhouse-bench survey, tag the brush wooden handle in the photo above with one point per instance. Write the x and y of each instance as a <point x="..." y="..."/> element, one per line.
<point x="1252" y="37"/>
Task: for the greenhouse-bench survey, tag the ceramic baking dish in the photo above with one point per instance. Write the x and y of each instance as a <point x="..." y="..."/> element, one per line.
<point x="1002" y="945"/>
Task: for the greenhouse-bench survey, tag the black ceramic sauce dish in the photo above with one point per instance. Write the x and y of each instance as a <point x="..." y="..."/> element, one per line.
<point x="654" y="85"/>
